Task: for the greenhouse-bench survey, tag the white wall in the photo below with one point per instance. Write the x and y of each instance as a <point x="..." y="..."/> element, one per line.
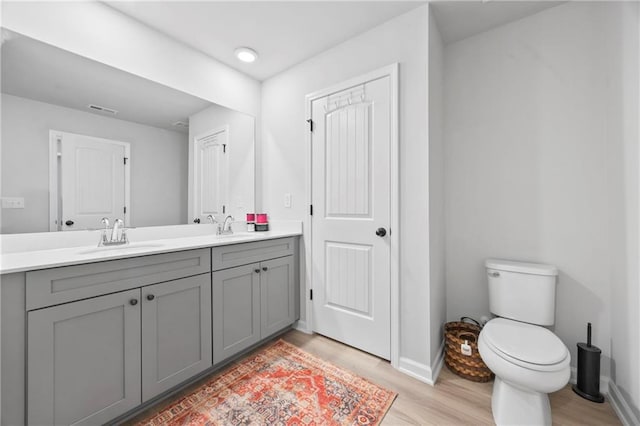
<point x="526" y="167"/>
<point x="437" y="282"/>
<point x="624" y="186"/>
<point x="402" y="40"/>
<point x="98" y="32"/>
<point x="240" y="150"/>
<point x="158" y="163"/>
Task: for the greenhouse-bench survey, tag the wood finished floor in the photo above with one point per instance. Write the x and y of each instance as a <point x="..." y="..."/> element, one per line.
<point x="452" y="401"/>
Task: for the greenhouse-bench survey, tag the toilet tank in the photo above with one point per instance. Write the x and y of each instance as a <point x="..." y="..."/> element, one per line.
<point x="522" y="291"/>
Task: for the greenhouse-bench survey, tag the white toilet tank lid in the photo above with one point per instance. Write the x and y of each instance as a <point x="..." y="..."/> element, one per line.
<point x="525" y="342"/>
<point x="521" y="267"/>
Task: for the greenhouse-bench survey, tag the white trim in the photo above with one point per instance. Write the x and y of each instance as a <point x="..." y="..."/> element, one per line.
<point x="302" y="326"/>
<point x="436" y="366"/>
<point x="392" y="72"/>
<point x="621" y="406"/>
<point x="56" y="136"/>
<point x="417" y="370"/>
<point x="193" y="182"/>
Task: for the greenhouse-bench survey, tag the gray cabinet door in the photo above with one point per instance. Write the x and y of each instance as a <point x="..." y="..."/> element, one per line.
<point x="176" y="332"/>
<point x="236" y="310"/>
<point x="277" y="308"/>
<point x="84" y="360"/>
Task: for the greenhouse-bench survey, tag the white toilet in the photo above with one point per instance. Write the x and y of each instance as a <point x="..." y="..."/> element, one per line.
<point x="529" y="361"/>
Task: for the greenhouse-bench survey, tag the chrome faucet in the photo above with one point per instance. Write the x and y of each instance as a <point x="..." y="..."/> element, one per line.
<point x="226" y="226"/>
<point x="113" y="240"/>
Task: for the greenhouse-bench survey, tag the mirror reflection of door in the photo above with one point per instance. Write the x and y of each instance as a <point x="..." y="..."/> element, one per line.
<point x="210" y="174"/>
<point x="89" y="181"/>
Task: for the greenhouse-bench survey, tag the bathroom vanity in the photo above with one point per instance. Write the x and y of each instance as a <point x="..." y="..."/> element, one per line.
<point x="90" y="338"/>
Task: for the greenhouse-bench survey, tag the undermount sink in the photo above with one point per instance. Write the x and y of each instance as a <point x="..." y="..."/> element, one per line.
<point x="121" y="248"/>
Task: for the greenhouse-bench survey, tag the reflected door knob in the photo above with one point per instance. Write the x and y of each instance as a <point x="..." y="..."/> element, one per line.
<point x="381" y="232"/>
<point x="69" y="223"/>
<point x="196" y="220"/>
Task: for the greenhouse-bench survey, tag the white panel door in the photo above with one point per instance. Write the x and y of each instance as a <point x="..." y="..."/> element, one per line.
<point x="92" y="181"/>
<point x="351" y="143"/>
<point x="210" y="174"/>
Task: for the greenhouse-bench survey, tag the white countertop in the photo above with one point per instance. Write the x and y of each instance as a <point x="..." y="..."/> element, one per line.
<point x="50" y="258"/>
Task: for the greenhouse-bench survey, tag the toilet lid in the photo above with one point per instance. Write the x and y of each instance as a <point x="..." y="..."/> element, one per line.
<point x="524" y="342"/>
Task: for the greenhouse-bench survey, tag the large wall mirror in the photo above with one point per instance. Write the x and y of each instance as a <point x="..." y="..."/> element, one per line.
<point x="82" y="140"/>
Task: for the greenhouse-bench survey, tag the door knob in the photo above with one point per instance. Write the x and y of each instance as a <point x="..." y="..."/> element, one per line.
<point x="257" y="271"/>
<point x="133" y="302"/>
<point x="196" y="220"/>
<point x="69" y="223"/>
<point x="264" y="268"/>
<point x="381" y="232"/>
<point x="150" y="297"/>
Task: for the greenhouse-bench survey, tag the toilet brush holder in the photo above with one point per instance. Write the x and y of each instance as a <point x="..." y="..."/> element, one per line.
<point x="588" y="383"/>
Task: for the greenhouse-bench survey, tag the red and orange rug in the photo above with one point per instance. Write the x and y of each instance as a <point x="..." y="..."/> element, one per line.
<point x="280" y="385"/>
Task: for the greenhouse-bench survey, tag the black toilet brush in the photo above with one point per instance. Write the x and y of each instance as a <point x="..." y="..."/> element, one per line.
<point x="588" y="384"/>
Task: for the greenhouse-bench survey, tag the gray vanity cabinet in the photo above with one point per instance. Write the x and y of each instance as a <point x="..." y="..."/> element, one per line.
<point x="83" y="364"/>
<point x="236" y="310"/>
<point x="277" y="293"/>
<point x="253" y="301"/>
<point x="176" y="332"/>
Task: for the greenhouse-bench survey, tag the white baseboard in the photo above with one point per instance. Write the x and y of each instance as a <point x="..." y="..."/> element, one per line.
<point x="436" y="368"/>
<point x="621" y="406"/>
<point x="302" y="326"/>
<point x="417" y="370"/>
<point x="421" y="371"/>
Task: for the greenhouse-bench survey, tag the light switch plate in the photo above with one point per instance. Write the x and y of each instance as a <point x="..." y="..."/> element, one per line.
<point x="12" y="203"/>
<point x="287" y="200"/>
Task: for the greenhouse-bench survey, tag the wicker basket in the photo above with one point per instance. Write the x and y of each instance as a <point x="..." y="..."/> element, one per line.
<point x="470" y="367"/>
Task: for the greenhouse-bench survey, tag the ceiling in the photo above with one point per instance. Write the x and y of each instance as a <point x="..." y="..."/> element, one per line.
<point x="458" y="20"/>
<point x="283" y="33"/>
<point x="35" y="70"/>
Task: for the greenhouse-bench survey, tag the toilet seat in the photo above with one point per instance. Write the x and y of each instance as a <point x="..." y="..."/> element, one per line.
<point x="526" y="345"/>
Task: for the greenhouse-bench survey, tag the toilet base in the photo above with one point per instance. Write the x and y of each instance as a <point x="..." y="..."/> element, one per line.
<point x="514" y="406"/>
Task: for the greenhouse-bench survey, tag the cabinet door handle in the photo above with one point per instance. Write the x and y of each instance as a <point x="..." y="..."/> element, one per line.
<point x="257" y="271"/>
<point x="264" y="268"/>
<point x="150" y="297"/>
<point x="133" y="302"/>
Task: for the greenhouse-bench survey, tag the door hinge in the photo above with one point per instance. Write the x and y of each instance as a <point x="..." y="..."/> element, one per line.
<point x="310" y="121"/>
<point x="125" y="209"/>
<point x="311" y="209"/>
<point x="125" y="160"/>
<point x="311" y="294"/>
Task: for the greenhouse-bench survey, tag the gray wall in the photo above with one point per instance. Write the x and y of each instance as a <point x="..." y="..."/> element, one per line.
<point x="403" y="40"/>
<point x="158" y="163"/>
<point x="437" y="283"/>
<point x="527" y="134"/>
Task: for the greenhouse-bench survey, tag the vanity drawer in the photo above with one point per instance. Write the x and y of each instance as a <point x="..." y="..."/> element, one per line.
<point x="229" y="256"/>
<point x="60" y="285"/>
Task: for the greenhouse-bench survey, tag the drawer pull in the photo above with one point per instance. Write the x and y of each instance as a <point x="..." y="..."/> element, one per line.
<point x="133" y="302"/>
<point x="150" y="297"/>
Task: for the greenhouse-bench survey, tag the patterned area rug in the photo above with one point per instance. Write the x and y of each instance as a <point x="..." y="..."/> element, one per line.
<point x="280" y="385"/>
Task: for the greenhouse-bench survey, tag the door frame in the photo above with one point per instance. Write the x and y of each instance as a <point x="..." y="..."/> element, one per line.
<point x="193" y="172"/>
<point x="390" y="71"/>
<point x="55" y="193"/>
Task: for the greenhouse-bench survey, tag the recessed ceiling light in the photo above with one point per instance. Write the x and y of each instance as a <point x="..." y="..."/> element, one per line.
<point x="246" y="55"/>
